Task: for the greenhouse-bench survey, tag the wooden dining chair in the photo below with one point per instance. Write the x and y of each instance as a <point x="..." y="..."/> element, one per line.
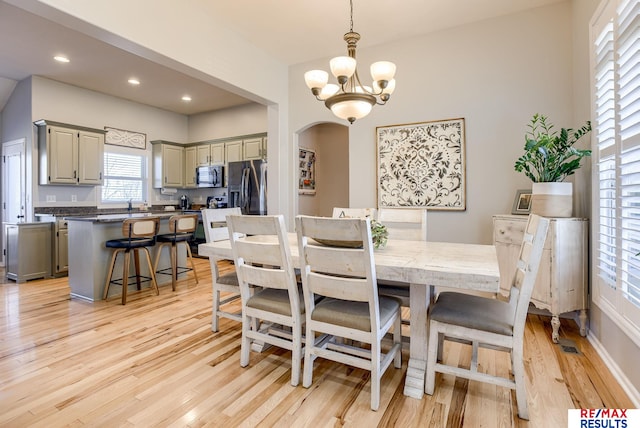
<point x="403" y="224"/>
<point x="350" y="308"/>
<point x="263" y="259"/>
<point x="354" y="212"/>
<point x="214" y="222"/>
<point x="487" y="322"/>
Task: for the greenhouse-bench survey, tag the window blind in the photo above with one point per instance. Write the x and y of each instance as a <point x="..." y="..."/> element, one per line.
<point x="123" y="177"/>
<point x="616" y="112"/>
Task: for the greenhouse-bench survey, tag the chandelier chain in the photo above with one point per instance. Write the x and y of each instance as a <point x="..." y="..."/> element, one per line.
<point x="351" y="21"/>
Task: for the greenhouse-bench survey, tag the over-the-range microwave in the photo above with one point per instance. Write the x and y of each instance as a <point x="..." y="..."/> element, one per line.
<point x="209" y="176"/>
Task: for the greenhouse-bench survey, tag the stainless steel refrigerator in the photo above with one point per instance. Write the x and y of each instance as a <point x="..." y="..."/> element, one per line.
<point x="247" y="186"/>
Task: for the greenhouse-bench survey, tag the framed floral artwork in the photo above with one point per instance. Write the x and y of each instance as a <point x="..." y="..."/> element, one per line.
<point x="422" y="165"/>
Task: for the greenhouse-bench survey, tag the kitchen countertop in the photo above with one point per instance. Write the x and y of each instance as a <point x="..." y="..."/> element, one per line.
<point x="112" y="218"/>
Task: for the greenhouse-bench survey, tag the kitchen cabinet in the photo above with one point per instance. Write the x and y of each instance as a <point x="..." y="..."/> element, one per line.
<point x="562" y="283"/>
<point x="254" y="148"/>
<point x="27" y="251"/>
<point x="233" y="151"/>
<point x="168" y="164"/>
<point x="210" y="154"/>
<point x="70" y="154"/>
<point x="190" y="160"/>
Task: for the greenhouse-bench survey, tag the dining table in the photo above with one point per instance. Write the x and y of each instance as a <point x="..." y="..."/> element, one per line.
<point x="422" y="265"/>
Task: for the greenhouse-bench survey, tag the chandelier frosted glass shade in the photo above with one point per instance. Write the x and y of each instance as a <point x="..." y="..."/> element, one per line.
<point x="350" y="99"/>
<point x="351" y="106"/>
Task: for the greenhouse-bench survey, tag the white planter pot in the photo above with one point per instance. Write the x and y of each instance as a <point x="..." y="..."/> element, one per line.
<point x="552" y="199"/>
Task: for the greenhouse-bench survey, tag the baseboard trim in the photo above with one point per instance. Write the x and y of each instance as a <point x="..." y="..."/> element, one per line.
<point x="618" y="374"/>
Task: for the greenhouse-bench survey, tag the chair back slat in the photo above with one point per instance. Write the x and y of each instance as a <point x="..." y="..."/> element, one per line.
<point x="334" y="271"/>
<point x="262" y="254"/>
<point x="404" y="223"/>
<point x="527" y="268"/>
<point x="214" y="222"/>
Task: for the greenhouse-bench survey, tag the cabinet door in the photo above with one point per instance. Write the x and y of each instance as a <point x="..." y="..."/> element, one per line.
<point x="190" y="154"/>
<point x="172" y="165"/>
<point x="63" y="155"/>
<point x="252" y="149"/>
<point x="203" y="156"/>
<point x="217" y="154"/>
<point x="90" y="158"/>
<point x="233" y="151"/>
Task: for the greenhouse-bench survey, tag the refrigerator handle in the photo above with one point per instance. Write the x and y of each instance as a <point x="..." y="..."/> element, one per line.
<point x="244" y="185"/>
<point x="262" y="192"/>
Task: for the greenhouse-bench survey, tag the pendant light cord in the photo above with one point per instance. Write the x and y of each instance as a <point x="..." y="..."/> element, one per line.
<point x="351" y="3"/>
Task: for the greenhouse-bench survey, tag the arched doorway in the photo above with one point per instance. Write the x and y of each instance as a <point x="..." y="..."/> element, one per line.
<point x="330" y="142"/>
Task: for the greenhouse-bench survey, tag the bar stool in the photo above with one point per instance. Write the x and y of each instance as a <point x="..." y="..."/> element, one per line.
<point x="182" y="228"/>
<point x="139" y="233"/>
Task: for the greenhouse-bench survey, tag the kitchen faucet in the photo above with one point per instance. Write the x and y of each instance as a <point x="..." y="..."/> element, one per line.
<point x="130" y="206"/>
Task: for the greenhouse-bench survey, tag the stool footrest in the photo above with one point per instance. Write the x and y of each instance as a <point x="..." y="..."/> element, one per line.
<point x="142" y="279"/>
<point x="169" y="271"/>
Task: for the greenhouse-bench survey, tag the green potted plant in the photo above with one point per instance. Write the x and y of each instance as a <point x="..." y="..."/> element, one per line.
<point x="549" y="157"/>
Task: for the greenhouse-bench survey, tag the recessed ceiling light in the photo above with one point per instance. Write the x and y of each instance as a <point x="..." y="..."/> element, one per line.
<point x="186" y="98"/>
<point x="61" y="58"/>
<point x="133" y="81"/>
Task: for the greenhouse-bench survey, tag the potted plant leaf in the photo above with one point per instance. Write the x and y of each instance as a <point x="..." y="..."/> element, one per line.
<point x="549" y="157"/>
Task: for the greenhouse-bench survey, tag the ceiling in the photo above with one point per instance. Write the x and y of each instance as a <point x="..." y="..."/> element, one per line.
<point x="291" y="31"/>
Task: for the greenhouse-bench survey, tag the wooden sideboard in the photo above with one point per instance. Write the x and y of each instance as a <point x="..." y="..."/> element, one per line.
<point x="562" y="284"/>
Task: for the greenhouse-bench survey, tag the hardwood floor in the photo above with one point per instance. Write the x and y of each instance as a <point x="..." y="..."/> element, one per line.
<point x="155" y="362"/>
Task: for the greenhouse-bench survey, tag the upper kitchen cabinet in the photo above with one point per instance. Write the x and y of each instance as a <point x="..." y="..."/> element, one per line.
<point x="233" y="151"/>
<point x="255" y="148"/>
<point x="210" y="154"/>
<point x="70" y="154"/>
<point x="190" y="161"/>
<point x="168" y="164"/>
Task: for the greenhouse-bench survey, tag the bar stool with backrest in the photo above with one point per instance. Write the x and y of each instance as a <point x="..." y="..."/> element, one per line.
<point x="139" y="233"/>
<point x="181" y="228"/>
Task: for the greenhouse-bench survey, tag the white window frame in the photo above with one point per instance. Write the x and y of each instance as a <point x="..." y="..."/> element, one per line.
<point x="616" y="138"/>
<point x="144" y="178"/>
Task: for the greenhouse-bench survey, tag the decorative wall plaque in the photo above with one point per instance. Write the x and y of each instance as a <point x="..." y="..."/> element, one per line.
<point x="422" y="165"/>
<point x="120" y="137"/>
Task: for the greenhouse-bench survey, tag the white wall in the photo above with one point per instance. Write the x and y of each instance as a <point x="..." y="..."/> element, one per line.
<point x="161" y="31"/>
<point x="496" y="74"/>
<point x="64" y="103"/>
<point x="241" y="120"/>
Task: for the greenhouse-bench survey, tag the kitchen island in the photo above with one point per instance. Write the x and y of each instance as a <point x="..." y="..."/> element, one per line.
<point x="89" y="258"/>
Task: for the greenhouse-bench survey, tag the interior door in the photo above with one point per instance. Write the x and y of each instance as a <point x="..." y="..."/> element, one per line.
<point x="13" y="184"/>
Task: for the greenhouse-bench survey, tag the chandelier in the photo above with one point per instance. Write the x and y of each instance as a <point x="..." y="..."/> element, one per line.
<point x="350" y="99"/>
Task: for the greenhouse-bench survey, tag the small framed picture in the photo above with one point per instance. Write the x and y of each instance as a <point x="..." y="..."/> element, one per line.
<point x="522" y="202"/>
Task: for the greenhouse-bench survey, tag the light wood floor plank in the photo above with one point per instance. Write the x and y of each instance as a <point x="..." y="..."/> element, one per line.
<point x="155" y="362"/>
